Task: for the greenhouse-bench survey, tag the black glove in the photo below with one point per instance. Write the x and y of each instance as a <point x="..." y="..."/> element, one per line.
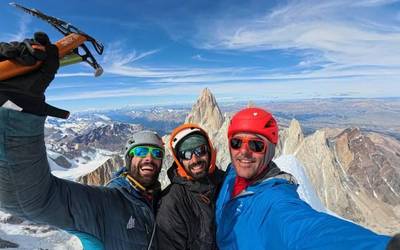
<point x="27" y="91"/>
<point x="394" y="243"/>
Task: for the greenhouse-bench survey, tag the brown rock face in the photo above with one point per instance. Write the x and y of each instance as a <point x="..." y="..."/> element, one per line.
<point x="344" y="153"/>
<point x="372" y="166"/>
<point x="356" y="174"/>
<point x="103" y="173"/>
<point x="206" y="112"/>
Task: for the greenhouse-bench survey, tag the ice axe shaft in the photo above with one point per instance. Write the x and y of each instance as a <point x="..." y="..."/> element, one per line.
<point x="67" y="46"/>
<point x="11" y="68"/>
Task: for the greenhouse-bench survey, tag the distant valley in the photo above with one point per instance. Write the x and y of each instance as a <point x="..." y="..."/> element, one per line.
<point x="375" y="115"/>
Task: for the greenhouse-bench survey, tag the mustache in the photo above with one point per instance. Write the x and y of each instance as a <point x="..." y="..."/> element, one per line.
<point x="197" y="163"/>
<point x="244" y="157"/>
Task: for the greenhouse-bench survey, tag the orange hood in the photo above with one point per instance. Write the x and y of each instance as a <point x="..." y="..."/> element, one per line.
<point x="178" y="134"/>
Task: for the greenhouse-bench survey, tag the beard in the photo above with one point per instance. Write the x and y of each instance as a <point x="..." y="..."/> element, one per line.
<point x="199" y="175"/>
<point x="146" y="180"/>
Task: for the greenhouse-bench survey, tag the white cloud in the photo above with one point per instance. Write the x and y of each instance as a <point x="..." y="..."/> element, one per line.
<point x="121" y="63"/>
<point x="372" y="3"/>
<point x="124" y="62"/>
<point x="115" y="55"/>
<point x="291" y="87"/>
<point x="120" y="92"/>
<point x="23" y="30"/>
<point x="332" y="29"/>
<point x="63" y="75"/>
<point x="201" y="58"/>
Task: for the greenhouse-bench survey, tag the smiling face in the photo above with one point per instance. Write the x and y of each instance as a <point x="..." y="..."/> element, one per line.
<point x="247" y="162"/>
<point x="145" y="170"/>
<point x="197" y="167"/>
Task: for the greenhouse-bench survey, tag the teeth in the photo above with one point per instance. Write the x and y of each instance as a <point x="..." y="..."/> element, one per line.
<point x="245" y="161"/>
<point x="197" y="168"/>
<point x="147" y="168"/>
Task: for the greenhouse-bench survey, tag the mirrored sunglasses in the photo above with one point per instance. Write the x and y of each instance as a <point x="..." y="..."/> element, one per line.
<point x="143" y="151"/>
<point x="255" y="145"/>
<point x="198" y="151"/>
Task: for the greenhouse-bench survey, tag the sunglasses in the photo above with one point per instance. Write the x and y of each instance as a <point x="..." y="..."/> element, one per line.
<point x="255" y="145"/>
<point x="143" y="151"/>
<point x="198" y="151"/>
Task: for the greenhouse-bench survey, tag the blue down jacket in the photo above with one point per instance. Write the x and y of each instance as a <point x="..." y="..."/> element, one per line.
<point x="270" y="215"/>
<point x="114" y="217"/>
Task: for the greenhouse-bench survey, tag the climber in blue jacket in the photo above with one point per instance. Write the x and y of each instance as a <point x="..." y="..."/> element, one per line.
<point x="258" y="206"/>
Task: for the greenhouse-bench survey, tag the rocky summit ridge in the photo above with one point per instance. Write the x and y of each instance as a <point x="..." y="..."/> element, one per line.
<point x="356" y="174"/>
<point x="206" y="112"/>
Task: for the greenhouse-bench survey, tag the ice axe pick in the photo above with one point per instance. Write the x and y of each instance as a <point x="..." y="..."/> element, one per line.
<point x="68" y="47"/>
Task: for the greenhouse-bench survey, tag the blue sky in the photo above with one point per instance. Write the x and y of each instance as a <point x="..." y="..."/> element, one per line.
<point x="166" y="52"/>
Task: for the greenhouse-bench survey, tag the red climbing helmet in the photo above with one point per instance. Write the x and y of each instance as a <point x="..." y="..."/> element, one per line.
<point x="254" y="120"/>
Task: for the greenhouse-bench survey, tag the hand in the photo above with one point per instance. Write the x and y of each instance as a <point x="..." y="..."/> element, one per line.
<point x="26" y="92"/>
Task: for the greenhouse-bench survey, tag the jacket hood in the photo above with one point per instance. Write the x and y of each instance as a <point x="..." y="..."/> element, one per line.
<point x="178" y="134"/>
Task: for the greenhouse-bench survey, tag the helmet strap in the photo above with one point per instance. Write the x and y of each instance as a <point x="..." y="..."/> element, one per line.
<point x="134" y="183"/>
<point x="269" y="154"/>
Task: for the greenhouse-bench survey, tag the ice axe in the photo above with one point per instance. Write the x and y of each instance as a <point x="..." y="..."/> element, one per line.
<point x="68" y="47"/>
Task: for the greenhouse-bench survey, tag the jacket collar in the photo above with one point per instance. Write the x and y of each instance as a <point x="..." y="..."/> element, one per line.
<point x="273" y="176"/>
<point x="122" y="180"/>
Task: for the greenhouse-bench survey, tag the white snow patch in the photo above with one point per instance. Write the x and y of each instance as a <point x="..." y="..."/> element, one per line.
<point x="43" y="238"/>
<point x="104" y="117"/>
<point x="99" y="124"/>
<point x="290" y="164"/>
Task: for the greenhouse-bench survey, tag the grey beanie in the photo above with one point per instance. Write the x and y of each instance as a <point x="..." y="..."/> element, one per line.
<point x="145" y="137"/>
<point x="191" y="141"/>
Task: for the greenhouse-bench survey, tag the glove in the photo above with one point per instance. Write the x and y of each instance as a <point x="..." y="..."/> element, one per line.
<point x="26" y="92"/>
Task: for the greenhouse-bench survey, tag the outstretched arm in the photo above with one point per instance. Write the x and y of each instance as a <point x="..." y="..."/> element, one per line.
<point x="301" y="227"/>
<point x="27" y="188"/>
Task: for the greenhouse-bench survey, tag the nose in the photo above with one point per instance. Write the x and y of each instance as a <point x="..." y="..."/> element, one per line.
<point x="244" y="149"/>
<point x="148" y="157"/>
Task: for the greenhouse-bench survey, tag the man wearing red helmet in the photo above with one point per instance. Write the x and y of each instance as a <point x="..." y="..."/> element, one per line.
<point x="258" y="206"/>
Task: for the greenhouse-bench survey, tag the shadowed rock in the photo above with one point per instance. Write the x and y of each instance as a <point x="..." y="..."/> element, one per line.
<point x="7" y="244"/>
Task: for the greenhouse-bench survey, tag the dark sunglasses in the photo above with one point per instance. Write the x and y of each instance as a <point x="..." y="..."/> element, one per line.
<point x="255" y="145"/>
<point x="143" y="151"/>
<point x="198" y="151"/>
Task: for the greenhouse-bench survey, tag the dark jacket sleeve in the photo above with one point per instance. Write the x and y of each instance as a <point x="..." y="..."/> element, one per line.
<point x="172" y="232"/>
<point x="27" y="188"/>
